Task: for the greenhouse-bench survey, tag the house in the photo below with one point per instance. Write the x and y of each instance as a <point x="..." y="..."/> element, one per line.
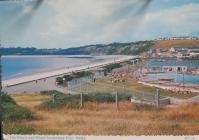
<point x="174" y="68"/>
<point x="155" y="52"/>
<point x="184" y="54"/>
<point x="187" y="52"/>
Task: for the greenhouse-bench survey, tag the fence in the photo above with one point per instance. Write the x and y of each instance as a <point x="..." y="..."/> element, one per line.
<point x="87" y="85"/>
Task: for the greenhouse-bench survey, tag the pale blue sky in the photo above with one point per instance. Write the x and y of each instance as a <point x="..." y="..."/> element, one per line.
<point x="73" y="23"/>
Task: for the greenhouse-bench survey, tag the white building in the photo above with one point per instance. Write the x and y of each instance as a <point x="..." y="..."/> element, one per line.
<point x="174" y="68"/>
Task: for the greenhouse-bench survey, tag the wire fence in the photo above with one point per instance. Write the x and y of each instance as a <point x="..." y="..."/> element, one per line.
<point x="89" y="85"/>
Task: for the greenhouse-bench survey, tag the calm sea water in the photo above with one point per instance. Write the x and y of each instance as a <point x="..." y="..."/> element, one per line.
<point x="24" y="65"/>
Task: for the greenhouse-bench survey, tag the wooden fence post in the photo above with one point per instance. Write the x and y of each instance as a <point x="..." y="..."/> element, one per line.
<point x="116" y="101"/>
<point x="157" y="98"/>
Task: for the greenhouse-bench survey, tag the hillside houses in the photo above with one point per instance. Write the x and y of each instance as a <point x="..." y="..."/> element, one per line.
<point x="179" y="38"/>
<point x="187" y="52"/>
<point x="179" y="52"/>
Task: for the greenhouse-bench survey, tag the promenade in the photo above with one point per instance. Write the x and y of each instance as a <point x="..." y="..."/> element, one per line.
<point x="44" y="75"/>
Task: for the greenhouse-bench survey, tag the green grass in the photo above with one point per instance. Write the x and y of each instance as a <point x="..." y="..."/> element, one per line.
<point x="134" y="87"/>
<point x="12" y="111"/>
<point x="73" y="101"/>
<point x="17" y="128"/>
<point x="110" y="67"/>
<point x="59" y="99"/>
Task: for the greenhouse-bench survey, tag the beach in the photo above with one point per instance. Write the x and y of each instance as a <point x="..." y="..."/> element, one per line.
<point x="46" y="80"/>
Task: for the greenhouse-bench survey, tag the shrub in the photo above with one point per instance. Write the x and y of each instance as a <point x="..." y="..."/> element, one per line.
<point x="110" y="67"/>
<point x="103" y="97"/>
<point x="10" y="128"/>
<point x="73" y="101"/>
<point x="12" y="111"/>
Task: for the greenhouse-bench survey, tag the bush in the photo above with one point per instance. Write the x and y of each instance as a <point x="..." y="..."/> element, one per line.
<point x="12" y="128"/>
<point x="110" y="67"/>
<point x="103" y="97"/>
<point x="59" y="80"/>
<point x="12" y="111"/>
<point x="57" y="100"/>
<point x="73" y="101"/>
<point x="82" y="74"/>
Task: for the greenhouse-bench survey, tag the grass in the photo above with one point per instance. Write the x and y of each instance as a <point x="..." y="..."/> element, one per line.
<point x="25" y="101"/>
<point x="17" y="128"/>
<point x="14" y="113"/>
<point x="167" y="44"/>
<point x="134" y="86"/>
<point x="59" y="100"/>
<point x="98" y="116"/>
<point x="102" y="119"/>
<point x="110" y="67"/>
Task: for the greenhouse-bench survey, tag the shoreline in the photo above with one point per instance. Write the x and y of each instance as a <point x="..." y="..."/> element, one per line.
<point x="67" y="56"/>
<point x="49" y="74"/>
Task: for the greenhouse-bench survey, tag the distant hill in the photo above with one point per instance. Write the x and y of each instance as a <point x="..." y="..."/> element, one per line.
<point x="131" y="48"/>
<point x="167" y="44"/>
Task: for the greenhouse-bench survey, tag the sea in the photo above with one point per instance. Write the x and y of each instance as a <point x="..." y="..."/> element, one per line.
<point x="18" y="66"/>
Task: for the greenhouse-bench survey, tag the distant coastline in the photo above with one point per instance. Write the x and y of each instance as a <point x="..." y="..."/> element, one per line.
<point x="46" y="56"/>
<point x="129" y="48"/>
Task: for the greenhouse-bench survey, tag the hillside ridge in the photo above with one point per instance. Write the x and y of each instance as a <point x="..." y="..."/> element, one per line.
<point x="130" y="48"/>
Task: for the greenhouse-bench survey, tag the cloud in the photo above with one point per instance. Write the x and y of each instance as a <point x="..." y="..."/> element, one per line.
<point x="177" y="21"/>
<point x="94" y="21"/>
<point x="99" y="20"/>
<point x="71" y="23"/>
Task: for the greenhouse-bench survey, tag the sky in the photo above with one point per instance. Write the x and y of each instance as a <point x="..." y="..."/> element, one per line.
<point x="73" y="23"/>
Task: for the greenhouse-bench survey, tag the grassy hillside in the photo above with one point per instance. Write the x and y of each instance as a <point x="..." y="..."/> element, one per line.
<point x="13" y="114"/>
<point x="167" y="44"/>
<point x="132" y="48"/>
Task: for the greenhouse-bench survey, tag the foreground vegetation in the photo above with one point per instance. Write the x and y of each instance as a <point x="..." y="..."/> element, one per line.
<point x="52" y="112"/>
<point x="97" y="118"/>
<point x="110" y="67"/>
<point x="13" y="113"/>
<point x="59" y="99"/>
